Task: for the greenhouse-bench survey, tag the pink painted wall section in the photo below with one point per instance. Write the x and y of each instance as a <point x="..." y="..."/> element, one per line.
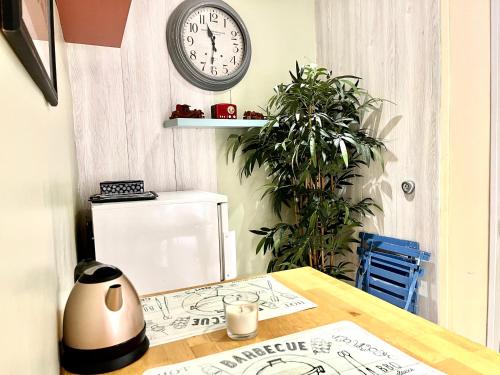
<point x="94" y="22"/>
<point x="35" y="18"/>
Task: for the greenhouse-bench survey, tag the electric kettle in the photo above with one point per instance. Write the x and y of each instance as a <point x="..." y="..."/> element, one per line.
<point x="103" y="324"/>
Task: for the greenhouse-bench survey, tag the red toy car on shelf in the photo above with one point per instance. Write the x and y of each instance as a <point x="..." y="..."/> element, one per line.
<point x="251" y="115"/>
<point x="184" y="111"/>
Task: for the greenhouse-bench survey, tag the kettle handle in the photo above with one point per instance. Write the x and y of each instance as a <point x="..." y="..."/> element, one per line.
<point x="114" y="299"/>
<point x="82" y="266"/>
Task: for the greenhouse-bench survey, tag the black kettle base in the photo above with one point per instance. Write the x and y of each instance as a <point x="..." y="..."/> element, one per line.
<point x="98" y="361"/>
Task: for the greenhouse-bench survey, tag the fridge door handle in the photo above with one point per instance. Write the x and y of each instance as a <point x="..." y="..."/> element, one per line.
<point x="229" y="248"/>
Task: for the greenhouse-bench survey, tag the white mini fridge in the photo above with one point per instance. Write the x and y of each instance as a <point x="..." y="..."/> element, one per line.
<point x="179" y="240"/>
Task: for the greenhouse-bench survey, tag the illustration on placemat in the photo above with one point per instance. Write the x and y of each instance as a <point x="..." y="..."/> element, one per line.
<point x="163" y="306"/>
<point x="206" y="301"/>
<point x="355" y="363"/>
<point x="178" y="315"/>
<point x="319" y="345"/>
<point x="293" y="365"/>
<point x="212" y="370"/>
<point x="338" y="348"/>
<point x="181" y="323"/>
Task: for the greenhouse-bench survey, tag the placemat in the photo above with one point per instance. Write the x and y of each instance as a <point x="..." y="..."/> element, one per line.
<point x="338" y="348"/>
<point x="174" y="316"/>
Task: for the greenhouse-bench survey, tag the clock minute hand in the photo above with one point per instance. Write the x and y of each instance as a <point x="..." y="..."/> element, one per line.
<point x="212" y="38"/>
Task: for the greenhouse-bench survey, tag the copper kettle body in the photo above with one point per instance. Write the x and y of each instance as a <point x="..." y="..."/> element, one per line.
<point x="103" y="325"/>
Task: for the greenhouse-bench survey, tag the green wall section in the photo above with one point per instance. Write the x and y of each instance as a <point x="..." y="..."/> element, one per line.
<point x="37" y="200"/>
<point x="282" y="32"/>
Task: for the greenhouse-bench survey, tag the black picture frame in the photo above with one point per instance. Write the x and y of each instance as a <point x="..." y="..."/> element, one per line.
<point x="17" y="35"/>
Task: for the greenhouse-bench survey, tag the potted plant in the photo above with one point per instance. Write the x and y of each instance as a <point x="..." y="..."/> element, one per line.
<point x="312" y="148"/>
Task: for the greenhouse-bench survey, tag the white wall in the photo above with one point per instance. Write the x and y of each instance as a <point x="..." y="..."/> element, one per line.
<point x="121" y="98"/>
<point x="118" y="138"/>
<point x="37" y="199"/>
<point x="393" y="45"/>
<point x="277" y="42"/>
<point x="494" y="257"/>
<point x="464" y="165"/>
<point x="432" y="58"/>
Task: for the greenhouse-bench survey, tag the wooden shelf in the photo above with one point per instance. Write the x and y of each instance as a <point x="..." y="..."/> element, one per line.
<point x="204" y="123"/>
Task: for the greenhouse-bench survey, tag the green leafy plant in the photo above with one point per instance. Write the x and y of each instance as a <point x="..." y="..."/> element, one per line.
<point x="312" y="148"/>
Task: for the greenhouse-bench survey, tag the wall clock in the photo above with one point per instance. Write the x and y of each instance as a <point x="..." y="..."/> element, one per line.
<point x="209" y="44"/>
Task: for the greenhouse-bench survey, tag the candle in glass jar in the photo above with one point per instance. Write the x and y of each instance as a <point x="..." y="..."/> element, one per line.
<point x="241" y="318"/>
<point x="242" y="315"/>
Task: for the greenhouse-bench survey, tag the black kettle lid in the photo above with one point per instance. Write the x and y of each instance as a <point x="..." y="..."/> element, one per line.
<point x="99" y="273"/>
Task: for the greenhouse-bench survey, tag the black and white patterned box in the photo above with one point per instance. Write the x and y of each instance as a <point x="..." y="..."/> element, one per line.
<point x="122" y="187"/>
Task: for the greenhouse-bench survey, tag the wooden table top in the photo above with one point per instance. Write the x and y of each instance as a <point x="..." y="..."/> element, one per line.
<point x="336" y="300"/>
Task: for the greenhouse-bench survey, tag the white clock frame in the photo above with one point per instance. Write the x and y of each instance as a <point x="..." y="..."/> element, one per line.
<point x="181" y="60"/>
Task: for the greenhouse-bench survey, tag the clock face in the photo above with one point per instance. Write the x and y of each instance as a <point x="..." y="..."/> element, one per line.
<point x="213" y="42"/>
<point x="209" y="44"/>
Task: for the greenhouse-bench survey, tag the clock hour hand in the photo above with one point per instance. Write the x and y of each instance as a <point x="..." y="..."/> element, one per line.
<point x="210" y="33"/>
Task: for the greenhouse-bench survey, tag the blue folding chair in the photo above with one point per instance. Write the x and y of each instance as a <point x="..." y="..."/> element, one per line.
<point x="390" y="269"/>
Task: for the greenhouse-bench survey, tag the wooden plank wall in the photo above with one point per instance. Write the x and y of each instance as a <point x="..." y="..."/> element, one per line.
<point x="121" y="98"/>
<point x="394" y="46"/>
